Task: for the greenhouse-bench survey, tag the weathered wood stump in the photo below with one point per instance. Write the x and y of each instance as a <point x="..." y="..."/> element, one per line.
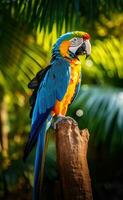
<point x="72" y="147"/>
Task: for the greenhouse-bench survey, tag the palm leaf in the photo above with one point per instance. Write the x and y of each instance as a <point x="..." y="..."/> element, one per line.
<point x="45" y="13"/>
<point x="20" y="56"/>
<point x="103" y="114"/>
<point x="105" y="66"/>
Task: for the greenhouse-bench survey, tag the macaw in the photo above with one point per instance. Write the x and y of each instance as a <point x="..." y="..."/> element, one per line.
<point x="55" y="87"/>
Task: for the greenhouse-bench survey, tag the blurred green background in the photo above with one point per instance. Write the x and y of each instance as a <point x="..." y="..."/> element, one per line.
<point x="28" y="29"/>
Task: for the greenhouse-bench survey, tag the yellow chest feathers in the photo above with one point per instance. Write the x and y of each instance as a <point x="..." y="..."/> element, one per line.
<point x="75" y="71"/>
<point x="62" y="106"/>
<point x="75" y="78"/>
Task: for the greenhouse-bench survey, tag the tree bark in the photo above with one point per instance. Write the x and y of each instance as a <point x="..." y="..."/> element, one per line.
<point x="72" y="147"/>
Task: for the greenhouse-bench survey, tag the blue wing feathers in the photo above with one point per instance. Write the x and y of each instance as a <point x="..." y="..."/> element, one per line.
<point x="52" y="87"/>
<point x="38" y="160"/>
<point x="35" y="129"/>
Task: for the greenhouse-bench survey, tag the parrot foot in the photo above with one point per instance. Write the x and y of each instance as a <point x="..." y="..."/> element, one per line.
<point x="60" y="118"/>
<point x="68" y="117"/>
<point x="56" y="120"/>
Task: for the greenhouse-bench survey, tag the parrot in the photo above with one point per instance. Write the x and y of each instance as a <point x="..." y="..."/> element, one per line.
<point x="54" y="89"/>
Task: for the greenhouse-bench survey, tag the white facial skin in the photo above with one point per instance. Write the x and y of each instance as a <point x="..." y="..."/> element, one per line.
<point x="77" y="42"/>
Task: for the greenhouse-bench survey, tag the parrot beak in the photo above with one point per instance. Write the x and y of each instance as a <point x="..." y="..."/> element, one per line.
<point x="88" y="48"/>
<point x="87" y="56"/>
<point x="84" y="49"/>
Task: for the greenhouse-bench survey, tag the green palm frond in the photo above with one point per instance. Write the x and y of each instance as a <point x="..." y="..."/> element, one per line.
<point x="105" y="66"/>
<point x="46" y="13"/>
<point x="103" y="114"/>
<point x="20" y="56"/>
<point x="107" y="55"/>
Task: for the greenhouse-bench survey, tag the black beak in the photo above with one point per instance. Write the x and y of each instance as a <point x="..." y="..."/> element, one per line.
<point x="81" y="50"/>
<point x="87" y="55"/>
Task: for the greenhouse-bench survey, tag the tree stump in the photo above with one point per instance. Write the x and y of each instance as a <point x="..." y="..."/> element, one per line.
<point x="72" y="144"/>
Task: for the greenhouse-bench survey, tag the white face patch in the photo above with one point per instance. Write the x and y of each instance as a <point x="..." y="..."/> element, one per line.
<point x="77" y="42"/>
<point x="73" y="49"/>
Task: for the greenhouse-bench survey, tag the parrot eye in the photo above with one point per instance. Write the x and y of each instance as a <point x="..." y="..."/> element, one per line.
<point x="75" y="39"/>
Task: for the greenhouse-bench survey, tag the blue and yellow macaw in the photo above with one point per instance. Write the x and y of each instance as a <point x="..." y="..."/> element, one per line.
<point x="55" y="87"/>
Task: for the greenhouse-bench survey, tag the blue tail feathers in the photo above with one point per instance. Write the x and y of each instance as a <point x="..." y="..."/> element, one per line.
<point x="35" y="130"/>
<point x="38" y="161"/>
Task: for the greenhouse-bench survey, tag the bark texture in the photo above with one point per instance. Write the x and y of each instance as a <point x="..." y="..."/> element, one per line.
<point x="72" y="147"/>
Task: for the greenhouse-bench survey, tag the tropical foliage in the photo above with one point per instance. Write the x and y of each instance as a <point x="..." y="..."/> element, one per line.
<point x="44" y="14"/>
<point x="102" y="113"/>
<point x="28" y="29"/>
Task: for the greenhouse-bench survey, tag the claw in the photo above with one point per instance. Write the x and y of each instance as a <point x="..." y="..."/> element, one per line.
<point x="60" y="118"/>
<point x="68" y="117"/>
<point x="56" y="120"/>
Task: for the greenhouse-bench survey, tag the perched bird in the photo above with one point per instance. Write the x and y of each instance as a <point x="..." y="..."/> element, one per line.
<point x="55" y="87"/>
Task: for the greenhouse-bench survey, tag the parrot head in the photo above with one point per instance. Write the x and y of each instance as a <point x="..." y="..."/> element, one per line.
<point x="73" y="44"/>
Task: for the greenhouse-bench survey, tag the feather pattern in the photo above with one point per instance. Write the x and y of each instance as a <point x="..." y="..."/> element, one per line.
<point x="76" y="91"/>
<point x="40" y="158"/>
<point x="34" y="84"/>
<point x="52" y="87"/>
<point x="55" y="87"/>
